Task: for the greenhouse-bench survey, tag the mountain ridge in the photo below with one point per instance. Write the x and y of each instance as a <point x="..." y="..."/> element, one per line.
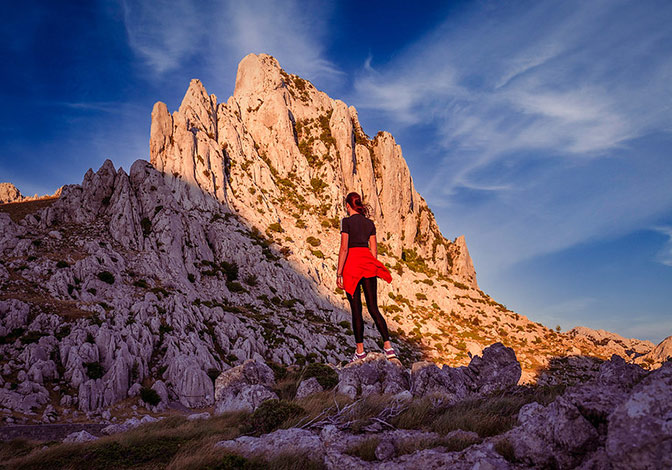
<point x="221" y="251"/>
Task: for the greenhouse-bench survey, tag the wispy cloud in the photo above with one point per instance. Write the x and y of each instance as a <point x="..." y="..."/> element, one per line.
<point x="164" y="32"/>
<point x="665" y="254"/>
<point x="541" y="106"/>
<point x="172" y="33"/>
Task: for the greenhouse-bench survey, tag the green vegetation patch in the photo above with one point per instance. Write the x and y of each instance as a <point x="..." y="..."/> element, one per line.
<point x="106" y="276"/>
<point x="325" y="375"/>
<point x="270" y="415"/>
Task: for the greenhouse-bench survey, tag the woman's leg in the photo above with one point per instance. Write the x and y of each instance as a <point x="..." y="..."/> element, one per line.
<point x="357" y="320"/>
<point x="370" y="287"/>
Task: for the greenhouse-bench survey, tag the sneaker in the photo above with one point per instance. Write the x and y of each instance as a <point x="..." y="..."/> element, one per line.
<point x="358" y="356"/>
<point x="389" y="353"/>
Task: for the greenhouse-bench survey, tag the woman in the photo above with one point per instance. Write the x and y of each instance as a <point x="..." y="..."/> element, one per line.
<point x="358" y="268"/>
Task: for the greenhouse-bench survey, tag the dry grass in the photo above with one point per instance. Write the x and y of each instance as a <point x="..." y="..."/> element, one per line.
<point x="366" y="448"/>
<point x="18" y="210"/>
<point x="487" y="416"/>
<point x="176" y="443"/>
<point x="149" y="446"/>
<point x="16" y="448"/>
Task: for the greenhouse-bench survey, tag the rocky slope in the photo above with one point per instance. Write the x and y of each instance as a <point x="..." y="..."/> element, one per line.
<point x="224" y="249"/>
<point x="283" y="155"/>
<point x="373" y="414"/>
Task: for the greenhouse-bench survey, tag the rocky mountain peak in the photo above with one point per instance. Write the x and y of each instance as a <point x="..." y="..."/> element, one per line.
<point x="282" y="153"/>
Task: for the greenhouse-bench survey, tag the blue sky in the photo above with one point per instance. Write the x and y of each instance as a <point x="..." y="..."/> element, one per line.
<point x="539" y="130"/>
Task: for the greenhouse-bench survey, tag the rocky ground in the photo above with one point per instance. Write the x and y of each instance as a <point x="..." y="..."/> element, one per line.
<point x="374" y="413"/>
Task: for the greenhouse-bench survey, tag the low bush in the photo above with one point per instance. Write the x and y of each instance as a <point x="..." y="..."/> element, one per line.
<point x="270" y="415"/>
<point x="234" y="286"/>
<point x="106" y="276"/>
<point x="325" y="375"/>
<point x="150" y="396"/>
<point x="94" y="370"/>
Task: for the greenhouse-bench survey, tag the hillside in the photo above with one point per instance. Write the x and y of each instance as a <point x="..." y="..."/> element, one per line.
<point x="223" y="249"/>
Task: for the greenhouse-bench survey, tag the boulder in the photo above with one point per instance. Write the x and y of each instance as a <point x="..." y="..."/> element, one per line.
<point x="269" y="445"/>
<point x="81" y="436"/>
<point x="639" y="434"/>
<point x="308" y="387"/>
<point x="497" y="368"/>
<point x="556" y="436"/>
<point x="373" y="374"/>
<point x="244" y="387"/>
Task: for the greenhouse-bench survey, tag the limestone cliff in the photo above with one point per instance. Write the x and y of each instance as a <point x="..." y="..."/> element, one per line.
<point x="284" y="155"/>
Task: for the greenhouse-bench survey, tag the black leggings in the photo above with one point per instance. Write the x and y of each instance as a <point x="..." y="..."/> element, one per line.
<point x="369" y="285"/>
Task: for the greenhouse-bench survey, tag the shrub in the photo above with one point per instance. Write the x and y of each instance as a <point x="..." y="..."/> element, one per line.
<point x="230" y="269"/>
<point x="106" y="276"/>
<point x="150" y="396"/>
<point x="146" y="225"/>
<point x="317" y="253"/>
<point x="251" y="280"/>
<point x="270" y="415"/>
<point x="275" y="227"/>
<point x="279" y="370"/>
<point x="32" y="337"/>
<point x="318" y="185"/>
<point x="325" y="375"/>
<point x="420" y="296"/>
<point x="62" y="264"/>
<point x="191" y="278"/>
<point x="313" y="241"/>
<point x="94" y="370"/>
<point x="234" y="286"/>
<point x="504" y="448"/>
<point x="141" y="283"/>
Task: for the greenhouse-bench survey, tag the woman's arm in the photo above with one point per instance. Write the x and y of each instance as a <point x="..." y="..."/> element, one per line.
<point x="342" y="254"/>
<point x="373" y="246"/>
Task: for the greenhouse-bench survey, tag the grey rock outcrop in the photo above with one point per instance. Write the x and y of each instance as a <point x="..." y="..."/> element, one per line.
<point x="81" y="436"/>
<point x="639" y="434"/>
<point x="308" y="387"/>
<point x="600" y="423"/>
<point x="372" y="375"/>
<point x="244" y="387"/>
<point x="497" y="368"/>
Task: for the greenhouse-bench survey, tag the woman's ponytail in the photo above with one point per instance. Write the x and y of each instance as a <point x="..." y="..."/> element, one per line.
<point x="355" y="201"/>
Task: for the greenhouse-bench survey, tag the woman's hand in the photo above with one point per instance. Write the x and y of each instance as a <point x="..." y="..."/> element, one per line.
<point x="339" y="281"/>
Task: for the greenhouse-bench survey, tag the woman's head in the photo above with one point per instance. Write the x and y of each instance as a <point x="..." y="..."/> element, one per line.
<point x="355" y="201"/>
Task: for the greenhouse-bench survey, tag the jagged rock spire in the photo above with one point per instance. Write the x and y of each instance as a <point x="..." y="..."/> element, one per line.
<point x="279" y="151"/>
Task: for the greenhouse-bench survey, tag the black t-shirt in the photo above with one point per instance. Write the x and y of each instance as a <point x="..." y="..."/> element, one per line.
<point x="359" y="229"/>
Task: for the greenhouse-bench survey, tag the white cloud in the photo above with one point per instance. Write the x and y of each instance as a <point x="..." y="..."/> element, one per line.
<point x="664" y="256"/>
<point x="170" y="33"/>
<point x="164" y="32"/>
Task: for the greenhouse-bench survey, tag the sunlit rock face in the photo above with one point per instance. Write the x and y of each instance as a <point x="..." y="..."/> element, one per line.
<point x="281" y="151"/>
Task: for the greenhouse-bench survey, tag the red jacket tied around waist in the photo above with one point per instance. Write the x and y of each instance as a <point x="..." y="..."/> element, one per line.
<point x="361" y="263"/>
